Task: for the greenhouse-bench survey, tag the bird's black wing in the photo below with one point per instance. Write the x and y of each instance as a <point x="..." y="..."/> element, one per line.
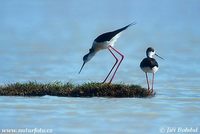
<point x="149" y="62"/>
<point x="154" y="63"/>
<point x="109" y="35"/>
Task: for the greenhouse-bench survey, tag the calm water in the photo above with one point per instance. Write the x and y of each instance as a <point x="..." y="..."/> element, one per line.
<point x="45" y="41"/>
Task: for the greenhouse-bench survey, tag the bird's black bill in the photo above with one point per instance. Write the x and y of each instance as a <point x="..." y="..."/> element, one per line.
<point x="159" y="56"/>
<point x="81" y="68"/>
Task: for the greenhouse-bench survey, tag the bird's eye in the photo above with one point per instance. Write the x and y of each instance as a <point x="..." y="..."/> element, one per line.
<point x="91" y="50"/>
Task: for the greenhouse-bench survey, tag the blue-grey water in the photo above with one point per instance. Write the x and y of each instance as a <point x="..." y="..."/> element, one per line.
<point x="45" y="41"/>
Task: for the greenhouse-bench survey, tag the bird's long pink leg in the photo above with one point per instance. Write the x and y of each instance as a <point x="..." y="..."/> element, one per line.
<point x="147" y="81"/>
<point x="113" y="65"/>
<point x="118" y="64"/>
<point x="152" y="83"/>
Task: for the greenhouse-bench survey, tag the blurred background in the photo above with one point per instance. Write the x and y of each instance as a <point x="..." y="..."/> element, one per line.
<point x="45" y="40"/>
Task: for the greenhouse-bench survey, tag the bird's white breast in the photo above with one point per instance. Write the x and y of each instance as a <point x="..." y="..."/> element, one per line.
<point x="104" y="45"/>
<point x="100" y="45"/>
<point x="150" y="70"/>
<point x="114" y="39"/>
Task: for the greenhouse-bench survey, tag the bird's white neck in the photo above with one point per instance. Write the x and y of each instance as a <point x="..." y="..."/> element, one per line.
<point x="150" y="54"/>
<point x="90" y="55"/>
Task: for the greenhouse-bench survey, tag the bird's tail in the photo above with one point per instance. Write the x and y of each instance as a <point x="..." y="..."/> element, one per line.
<point x="122" y="29"/>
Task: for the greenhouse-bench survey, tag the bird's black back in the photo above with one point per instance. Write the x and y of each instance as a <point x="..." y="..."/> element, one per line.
<point x="109" y="35"/>
<point x="149" y="62"/>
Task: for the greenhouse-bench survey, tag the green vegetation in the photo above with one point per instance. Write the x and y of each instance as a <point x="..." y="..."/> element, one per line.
<point x="69" y="90"/>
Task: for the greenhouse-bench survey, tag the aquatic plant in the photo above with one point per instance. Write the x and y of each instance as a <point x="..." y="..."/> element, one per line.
<point x="91" y="89"/>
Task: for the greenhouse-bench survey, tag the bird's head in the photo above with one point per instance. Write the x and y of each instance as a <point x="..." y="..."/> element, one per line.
<point x="150" y="52"/>
<point x="87" y="58"/>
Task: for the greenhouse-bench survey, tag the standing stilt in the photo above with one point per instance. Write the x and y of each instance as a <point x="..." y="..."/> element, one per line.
<point x="150" y="65"/>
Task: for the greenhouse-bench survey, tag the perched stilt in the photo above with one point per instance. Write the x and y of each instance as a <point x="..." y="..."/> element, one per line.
<point x="106" y="41"/>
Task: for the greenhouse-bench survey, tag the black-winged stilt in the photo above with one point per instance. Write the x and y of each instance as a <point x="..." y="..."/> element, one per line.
<point x="150" y="65"/>
<point x="106" y="41"/>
